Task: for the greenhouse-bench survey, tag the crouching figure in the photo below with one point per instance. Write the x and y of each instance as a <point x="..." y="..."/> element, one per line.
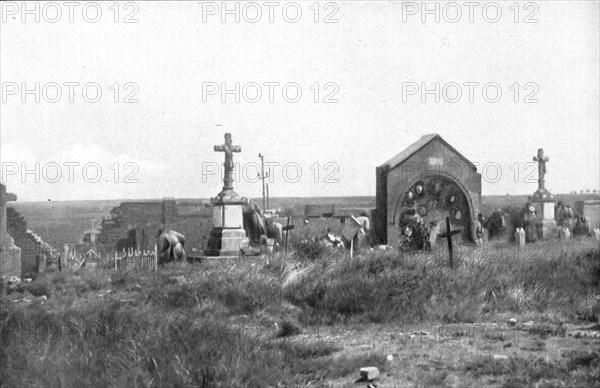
<point x="171" y="246"/>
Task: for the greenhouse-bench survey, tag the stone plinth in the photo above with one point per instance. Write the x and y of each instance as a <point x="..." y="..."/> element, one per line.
<point x="10" y="254"/>
<point x="544" y="204"/>
<point x="228" y="237"/>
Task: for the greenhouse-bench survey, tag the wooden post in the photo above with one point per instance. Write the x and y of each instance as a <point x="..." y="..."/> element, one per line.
<point x="287" y="233"/>
<point x="155" y="257"/>
<point x="351" y="247"/>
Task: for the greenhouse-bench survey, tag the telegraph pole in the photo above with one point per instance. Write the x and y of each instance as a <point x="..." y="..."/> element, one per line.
<point x="268" y="205"/>
<point x="262" y="176"/>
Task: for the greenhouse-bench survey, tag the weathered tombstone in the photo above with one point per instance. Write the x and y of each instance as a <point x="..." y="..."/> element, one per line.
<point x="29" y="255"/>
<point x="368" y="373"/>
<point x="564" y="233"/>
<point x="591" y="210"/>
<point x="10" y="254"/>
<point x="597" y="233"/>
<point x="228" y="237"/>
<point x="543" y="200"/>
<point x="520" y="237"/>
<point x="351" y="234"/>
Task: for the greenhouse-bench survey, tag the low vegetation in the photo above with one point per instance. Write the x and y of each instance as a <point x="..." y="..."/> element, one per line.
<point x="251" y="322"/>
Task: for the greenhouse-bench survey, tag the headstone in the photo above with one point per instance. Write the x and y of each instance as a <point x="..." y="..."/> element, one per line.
<point x="270" y="244"/>
<point x="369" y="373"/>
<point x="228" y="237"/>
<point x="30" y="254"/>
<point x="543" y="200"/>
<point x="520" y="237"/>
<point x="564" y="233"/>
<point x="590" y="210"/>
<point x="10" y="254"/>
<point x="597" y="233"/>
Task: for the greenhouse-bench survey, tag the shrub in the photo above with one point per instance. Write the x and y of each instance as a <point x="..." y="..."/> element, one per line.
<point x="40" y="286"/>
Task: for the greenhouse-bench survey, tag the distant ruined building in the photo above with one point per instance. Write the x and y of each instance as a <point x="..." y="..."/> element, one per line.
<point x="34" y="252"/>
<point x="136" y="224"/>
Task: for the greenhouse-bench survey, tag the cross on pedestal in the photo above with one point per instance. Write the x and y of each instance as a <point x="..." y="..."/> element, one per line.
<point x="229" y="149"/>
<point x="448" y="235"/>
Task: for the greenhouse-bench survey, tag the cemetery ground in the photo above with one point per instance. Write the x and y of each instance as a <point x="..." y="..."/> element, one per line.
<point x="313" y="317"/>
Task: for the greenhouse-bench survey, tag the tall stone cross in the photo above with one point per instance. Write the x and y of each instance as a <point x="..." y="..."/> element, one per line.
<point x="448" y="235"/>
<point x="542" y="160"/>
<point x="229" y="149"/>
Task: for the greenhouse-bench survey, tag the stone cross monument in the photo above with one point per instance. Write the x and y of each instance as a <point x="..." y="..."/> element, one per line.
<point x="543" y="200"/>
<point x="228" y="148"/>
<point x="10" y="254"/>
<point x="228" y="237"/>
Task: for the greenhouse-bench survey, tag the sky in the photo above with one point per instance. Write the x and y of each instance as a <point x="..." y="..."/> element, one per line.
<point x="132" y="96"/>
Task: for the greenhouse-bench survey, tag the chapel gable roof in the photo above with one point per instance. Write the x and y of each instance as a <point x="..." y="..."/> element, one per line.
<point x="417" y="146"/>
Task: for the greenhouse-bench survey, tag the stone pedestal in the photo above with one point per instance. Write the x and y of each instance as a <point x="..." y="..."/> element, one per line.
<point x="544" y="204"/>
<point x="228" y="237"/>
<point x="10" y="254"/>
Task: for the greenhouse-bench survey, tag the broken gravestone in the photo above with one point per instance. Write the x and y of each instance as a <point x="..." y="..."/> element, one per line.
<point x="520" y="237"/>
<point x="369" y="373"/>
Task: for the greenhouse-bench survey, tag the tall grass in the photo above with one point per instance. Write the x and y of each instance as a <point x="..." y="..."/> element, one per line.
<point x="384" y="286"/>
<point x="184" y="325"/>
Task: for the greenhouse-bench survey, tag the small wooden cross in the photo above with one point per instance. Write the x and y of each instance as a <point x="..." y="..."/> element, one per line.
<point x="448" y="235"/>
<point x="229" y="149"/>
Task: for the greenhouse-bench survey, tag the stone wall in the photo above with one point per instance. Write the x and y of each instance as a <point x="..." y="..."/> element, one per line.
<point x="10" y="254"/>
<point x="192" y="218"/>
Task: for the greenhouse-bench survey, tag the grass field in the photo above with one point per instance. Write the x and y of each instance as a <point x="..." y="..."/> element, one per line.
<point x="313" y="317"/>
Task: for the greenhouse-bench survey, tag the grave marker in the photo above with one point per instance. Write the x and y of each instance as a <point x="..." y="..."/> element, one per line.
<point x="448" y="235"/>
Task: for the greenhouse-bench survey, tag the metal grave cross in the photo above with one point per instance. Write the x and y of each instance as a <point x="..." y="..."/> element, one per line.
<point x="229" y="149"/>
<point x="448" y="235"/>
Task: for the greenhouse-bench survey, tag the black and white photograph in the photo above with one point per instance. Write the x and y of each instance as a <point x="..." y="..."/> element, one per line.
<point x="309" y="193"/>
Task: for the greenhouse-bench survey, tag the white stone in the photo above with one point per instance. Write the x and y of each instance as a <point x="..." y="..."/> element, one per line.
<point x="520" y="237"/>
<point x="512" y="321"/>
<point x="369" y="373"/>
<point x="500" y="357"/>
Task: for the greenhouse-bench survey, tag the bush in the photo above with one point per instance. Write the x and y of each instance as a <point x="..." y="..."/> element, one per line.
<point x="40" y="286"/>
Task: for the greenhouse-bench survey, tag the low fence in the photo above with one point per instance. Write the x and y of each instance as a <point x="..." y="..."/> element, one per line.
<point x="79" y="256"/>
<point x="134" y="260"/>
